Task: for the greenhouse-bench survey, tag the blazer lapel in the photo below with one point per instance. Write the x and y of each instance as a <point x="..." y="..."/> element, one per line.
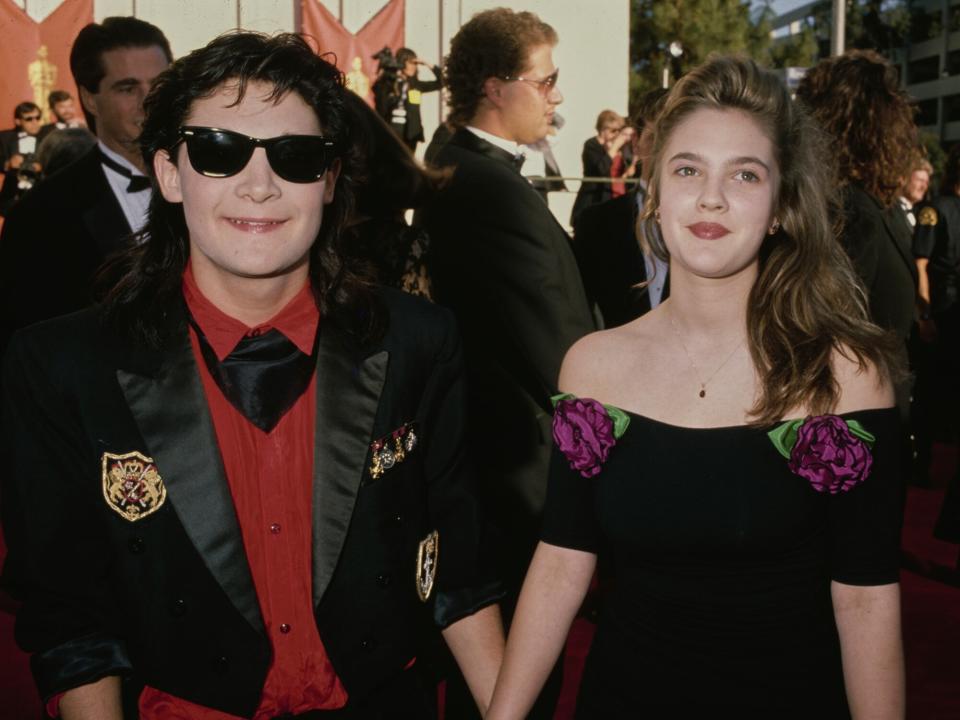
<point x="103" y="217"/>
<point x="900" y="233"/>
<point x="171" y="413"/>
<point x="348" y="394"/>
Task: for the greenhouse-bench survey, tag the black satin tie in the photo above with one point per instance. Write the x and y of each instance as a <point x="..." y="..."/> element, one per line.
<point x="138" y="183"/>
<point x="263" y="376"/>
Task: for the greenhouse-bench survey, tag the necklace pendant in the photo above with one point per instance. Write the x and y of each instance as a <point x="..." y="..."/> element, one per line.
<point x="703" y="392"/>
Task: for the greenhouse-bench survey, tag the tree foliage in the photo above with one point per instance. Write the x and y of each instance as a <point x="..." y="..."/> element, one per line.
<point x="702" y="27"/>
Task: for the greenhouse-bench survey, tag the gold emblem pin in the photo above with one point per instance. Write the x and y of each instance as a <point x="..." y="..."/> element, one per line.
<point x="928" y="216"/>
<point x="132" y="486"/>
<point x="427" y="564"/>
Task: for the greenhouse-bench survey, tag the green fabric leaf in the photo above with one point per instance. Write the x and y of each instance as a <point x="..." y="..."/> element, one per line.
<point x="861" y="432"/>
<point x="620" y="420"/>
<point x="554" y="399"/>
<point x="784" y="437"/>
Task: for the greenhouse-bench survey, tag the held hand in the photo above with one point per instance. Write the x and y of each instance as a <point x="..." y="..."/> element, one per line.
<point x="15" y="161"/>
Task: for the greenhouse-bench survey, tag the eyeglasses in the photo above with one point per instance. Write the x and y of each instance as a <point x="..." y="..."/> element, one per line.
<point x="545" y="85"/>
<point x="219" y="153"/>
<point x="30" y="118"/>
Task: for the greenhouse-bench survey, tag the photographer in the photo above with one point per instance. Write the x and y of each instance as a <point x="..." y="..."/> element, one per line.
<point x="17" y="152"/>
<point x="397" y="92"/>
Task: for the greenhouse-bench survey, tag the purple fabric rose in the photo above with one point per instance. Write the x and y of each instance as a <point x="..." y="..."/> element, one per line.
<point x="584" y="432"/>
<point x="829" y="456"/>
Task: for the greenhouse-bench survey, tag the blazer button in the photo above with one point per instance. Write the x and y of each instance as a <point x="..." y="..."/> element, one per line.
<point x="135" y="545"/>
<point x="178" y="608"/>
<point x="383" y="580"/>
<point x="398" y="519"/>
<point x="369" y="644"/>
<point x="221" y="664"/>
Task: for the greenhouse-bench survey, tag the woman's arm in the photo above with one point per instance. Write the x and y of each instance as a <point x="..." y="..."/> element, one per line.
<point x="553" y="592"/>
<point x="476" y="643"/>
<point x="99" y="700"/>
<point x="868" y="622"/>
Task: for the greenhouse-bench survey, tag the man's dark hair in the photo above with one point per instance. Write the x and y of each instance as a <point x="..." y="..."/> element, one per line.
<point x="57" y="96"/>
<point x="23" y="108"/>
<point x="86" y="55"/>
<point x="494" y="43"/>
<point x="150" y="274"/>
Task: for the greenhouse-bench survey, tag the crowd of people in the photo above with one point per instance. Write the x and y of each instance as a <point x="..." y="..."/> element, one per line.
<point x="244" y="399"/>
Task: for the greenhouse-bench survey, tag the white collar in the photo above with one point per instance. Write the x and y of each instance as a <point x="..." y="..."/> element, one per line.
<point x="119" y="158"/>
<point x="509" y="145"/>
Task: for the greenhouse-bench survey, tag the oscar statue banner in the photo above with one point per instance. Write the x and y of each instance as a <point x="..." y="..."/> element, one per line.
<point x="354" y="52"/>
<point x="35" y="56"/>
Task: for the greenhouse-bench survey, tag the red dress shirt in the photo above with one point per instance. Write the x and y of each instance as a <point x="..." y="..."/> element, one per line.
<point x="271" y="480"/>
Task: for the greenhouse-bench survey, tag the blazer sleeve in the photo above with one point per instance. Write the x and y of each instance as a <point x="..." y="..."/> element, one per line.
<point x="466" y="580"/>
<point x="58" y="553"/>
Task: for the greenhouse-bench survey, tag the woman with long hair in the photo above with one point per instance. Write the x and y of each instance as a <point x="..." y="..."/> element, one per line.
<point x="734" y="450"/>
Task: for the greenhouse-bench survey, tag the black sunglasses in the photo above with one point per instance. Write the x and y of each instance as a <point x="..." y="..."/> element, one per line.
<point x="221" y="153"/>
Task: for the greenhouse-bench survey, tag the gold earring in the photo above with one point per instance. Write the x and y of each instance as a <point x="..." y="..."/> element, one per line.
<point x="775" y="228"/>
<point x="656" y="215"/>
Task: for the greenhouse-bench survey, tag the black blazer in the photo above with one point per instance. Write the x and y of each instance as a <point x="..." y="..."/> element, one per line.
<point x="878" y="241"/>
<point x="611" y="260"/>
<point x="501" y="261"/>
<point x="169" y="599"/>
<point x="53" y="242"/>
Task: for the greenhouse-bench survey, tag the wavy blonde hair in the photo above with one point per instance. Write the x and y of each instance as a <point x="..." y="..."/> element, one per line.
<point x="807" y="301"/>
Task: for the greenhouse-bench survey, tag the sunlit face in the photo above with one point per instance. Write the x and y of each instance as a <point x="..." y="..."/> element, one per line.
<point x="526" y="107"/>
<point x="718" y="188"/>
<point x="118" y="103"/>
<point x="253" y="224"/>
<point x="410" y="67"/>
<point x="918" y="185"/>
<point x="610" y="131"/>
<point x="65" y="110"/>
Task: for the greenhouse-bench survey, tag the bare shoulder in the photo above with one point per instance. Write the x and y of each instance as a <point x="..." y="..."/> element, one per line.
<point x="861" y="388"/>
<point x="597" y="363"/>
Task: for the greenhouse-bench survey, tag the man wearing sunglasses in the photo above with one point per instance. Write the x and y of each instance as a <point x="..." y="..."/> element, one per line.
<point x="240" y="483"/>
<point x="503" y="264"/>
<point x="18" y="148"/>
<point x="68" y="225"/>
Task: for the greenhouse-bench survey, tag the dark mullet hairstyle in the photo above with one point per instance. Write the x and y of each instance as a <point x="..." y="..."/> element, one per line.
<point x="149" y="275"/>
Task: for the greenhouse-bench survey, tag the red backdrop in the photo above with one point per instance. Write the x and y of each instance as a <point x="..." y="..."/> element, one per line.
<point x="384" y="28"/>
<point x="21" y="40"/>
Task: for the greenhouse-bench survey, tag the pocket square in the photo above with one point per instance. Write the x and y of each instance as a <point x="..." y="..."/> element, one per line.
<point x="391" y="449"/>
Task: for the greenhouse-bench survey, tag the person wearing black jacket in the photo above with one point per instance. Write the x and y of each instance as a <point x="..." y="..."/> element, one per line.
<point x="397" y="96"/>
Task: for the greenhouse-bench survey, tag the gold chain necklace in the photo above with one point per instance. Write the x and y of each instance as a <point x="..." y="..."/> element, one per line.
<point x="696" y="369"/>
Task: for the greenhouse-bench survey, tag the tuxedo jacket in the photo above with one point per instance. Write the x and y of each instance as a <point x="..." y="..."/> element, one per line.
<point x="9" y="145"/>
<point x="54" y="240"/>
<point x="168" y="600"/>
<point x="878" y="241"/>
<point x="611" y="261"/>
<point x="503" y="263"/>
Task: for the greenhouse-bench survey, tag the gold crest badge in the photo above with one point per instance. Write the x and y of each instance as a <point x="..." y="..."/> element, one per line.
<point x="928" y="216"/>
<point x="132" y="486"/>
<point x="427" y="564"/>
<point x="392" y="449"/>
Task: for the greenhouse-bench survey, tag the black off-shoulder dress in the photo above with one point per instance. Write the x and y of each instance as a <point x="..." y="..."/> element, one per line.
<point x="722" y="560"/>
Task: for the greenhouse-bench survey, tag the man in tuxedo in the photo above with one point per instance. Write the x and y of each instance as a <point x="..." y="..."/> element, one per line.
<point x="504" y="265"/>
<point x="59" y="234"/>
<point x="18" y="148"/>
<point x="240" y="482"/>
<point x="64" y="113"/>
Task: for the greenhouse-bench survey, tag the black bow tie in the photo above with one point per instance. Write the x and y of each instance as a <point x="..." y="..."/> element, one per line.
<point x="518" y="161"/>
<point x="138" y="183"/>
<point x="263" y="376"/>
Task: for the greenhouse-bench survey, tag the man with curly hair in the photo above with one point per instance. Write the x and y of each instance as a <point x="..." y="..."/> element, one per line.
<point x="505" y="266"/>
